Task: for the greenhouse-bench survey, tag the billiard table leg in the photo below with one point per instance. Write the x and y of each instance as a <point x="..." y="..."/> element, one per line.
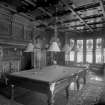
<point x="78" y="85"/>
<point x="51" y="98"/>
<point x="67" y="93"/>
<point x="84" y="80"/>
<point x="12" y="92"/>
<point x="85" y="76"/>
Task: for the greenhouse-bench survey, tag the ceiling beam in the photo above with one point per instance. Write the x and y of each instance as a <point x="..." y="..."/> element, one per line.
<point x="45" y="23"/>
<point x="43" y="10"/>
<point x="102" y="7"/>
<point x="68" y="22"/>
<point x="49" y="14"/>
<point x="26" y="16"/>
<point x="33" y="19"/>
<point x="8" y="7"/>
<point x="93" y="23"/>
<point x="30" y="2"/>
<point x="81" y="8"/>
<point x="71" y="9"/>
<point x="96" y="16"/>
<point x="85" y="18"/>
<point x="85" y="7"/>
<point x="81" y="30"/>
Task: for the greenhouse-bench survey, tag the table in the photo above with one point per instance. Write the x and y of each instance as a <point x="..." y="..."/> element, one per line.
<point x="49" y="80"/>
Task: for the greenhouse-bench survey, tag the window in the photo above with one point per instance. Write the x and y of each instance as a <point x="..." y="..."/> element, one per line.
<point x="98" y="50"/>
<point x="89" y="50"/>
<point x="72" y="54"/>
<point x="104" y="55"/>
<point x="72" y="47"/>
<point x="79" y="51"/>
<point x="83" y="49"/>
<point x="89" y="57"/>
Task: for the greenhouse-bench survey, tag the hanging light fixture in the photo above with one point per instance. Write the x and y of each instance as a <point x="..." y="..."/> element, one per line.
<point x="29" y="48"/>
<point x="54" y="45"/>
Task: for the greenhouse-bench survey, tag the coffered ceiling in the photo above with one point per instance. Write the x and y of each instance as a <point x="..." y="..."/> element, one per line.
<point x="69" y="15"/>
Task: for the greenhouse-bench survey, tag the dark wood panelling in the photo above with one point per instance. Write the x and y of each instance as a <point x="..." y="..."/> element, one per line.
<point x="18" y="31"/>
<point x="14" y="26"/>
<point x="28" y="34"/>
<point x="5" y="25"/>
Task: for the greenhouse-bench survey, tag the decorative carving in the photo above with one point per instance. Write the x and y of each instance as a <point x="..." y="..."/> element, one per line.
<point x="52" y="87"/>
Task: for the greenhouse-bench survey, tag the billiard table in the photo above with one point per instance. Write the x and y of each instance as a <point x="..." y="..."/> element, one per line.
<point x="49" y="80"/>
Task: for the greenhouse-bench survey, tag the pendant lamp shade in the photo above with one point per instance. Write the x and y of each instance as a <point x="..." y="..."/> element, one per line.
<point x="30" y="48"/>
<point x="54" y="47"/>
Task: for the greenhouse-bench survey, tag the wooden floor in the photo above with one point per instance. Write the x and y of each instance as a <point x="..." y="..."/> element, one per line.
<point x="93" y="93"/>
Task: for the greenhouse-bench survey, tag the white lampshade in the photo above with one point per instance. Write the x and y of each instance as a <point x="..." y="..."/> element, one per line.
<point x="30" y="48"/>
<point x="54" y="47"/>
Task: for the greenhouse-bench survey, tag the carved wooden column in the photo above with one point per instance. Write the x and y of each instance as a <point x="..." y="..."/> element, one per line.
<point x="12" y="92"/>
<point x="51" y="94"/>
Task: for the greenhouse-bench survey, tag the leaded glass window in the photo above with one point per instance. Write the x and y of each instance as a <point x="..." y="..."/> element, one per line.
<point x="72" y="51"/>
<point x="72" y="54"/>
<point x="89" y="50"/>
<point x="98" y="50"/>
<point x="79" y="51"/>
<point x="72" y="44"/>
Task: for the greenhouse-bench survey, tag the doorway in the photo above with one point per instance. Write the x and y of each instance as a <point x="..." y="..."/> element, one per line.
<point x="26" y="62"/>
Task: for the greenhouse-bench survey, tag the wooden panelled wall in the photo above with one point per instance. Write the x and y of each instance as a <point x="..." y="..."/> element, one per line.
<point x="14" y="26"/>
<point x="15" y="32"/>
